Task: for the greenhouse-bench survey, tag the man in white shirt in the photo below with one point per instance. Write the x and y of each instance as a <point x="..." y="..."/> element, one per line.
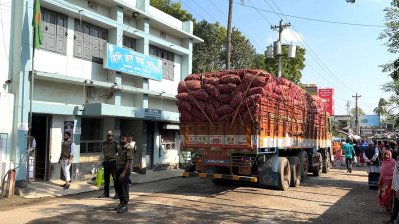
<point x="370" y="155"/>
<point x="31" y="152"/>
<point x="395" y="187"/>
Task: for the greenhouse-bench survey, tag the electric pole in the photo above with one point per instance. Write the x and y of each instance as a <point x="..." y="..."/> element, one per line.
<point x="357" y="113"/>
<point x="280" y="28"/>
<point x="229" y="30"/>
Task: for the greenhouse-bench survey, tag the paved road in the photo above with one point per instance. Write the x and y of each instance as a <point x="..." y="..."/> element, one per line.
<point x="337" y="197"/>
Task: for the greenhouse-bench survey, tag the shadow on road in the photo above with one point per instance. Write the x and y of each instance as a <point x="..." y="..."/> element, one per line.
<point x="202" y="202"/>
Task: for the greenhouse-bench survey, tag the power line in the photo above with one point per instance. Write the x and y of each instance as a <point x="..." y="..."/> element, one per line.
<point x="318" y="60"/>
<point x="312" y="19"/>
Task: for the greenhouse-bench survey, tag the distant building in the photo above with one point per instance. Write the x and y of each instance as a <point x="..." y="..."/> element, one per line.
<point x="103" y="65"/>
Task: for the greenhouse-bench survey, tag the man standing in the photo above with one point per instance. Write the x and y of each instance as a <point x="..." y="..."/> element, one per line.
<point x="348" y="151"/>
<point x="124" y="161"/>
<point x="110" y="151"/>
<point x="66" y="157"/>
<point x="31" y="151"/>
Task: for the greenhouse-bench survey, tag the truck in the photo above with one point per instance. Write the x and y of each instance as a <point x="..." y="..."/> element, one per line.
<point x="247" y="125"/>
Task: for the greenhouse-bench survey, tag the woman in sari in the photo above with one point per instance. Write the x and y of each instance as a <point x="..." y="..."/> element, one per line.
<point x="385" y="181"/>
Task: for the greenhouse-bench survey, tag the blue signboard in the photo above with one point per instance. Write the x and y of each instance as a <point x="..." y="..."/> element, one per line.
<point x="132" y="62"/>
<point x="369" y="120"/>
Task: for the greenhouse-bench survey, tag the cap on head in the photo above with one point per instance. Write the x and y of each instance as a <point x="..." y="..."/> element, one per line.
<point x="110" y="133"/>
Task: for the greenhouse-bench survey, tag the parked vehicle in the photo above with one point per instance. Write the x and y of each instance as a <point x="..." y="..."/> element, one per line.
<point x="246" y="125"/>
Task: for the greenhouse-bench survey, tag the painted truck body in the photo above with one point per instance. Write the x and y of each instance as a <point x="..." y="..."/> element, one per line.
<point x="276" y="147"/>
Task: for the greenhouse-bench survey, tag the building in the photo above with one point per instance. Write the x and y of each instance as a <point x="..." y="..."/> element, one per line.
<point x="79" y="88"/>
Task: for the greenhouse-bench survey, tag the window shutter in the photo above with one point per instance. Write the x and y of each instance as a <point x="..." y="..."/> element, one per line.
<point x="78" y="44"/>
<point x="61" y="34"/>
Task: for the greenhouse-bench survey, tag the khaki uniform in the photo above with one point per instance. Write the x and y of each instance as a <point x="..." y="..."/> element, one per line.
<point x="125" y="154"/>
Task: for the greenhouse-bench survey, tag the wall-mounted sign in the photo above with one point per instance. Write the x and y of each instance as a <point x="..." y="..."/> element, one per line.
<point x="132" y="62"/>
<point x="68" y="126"/>
<point x="152" y="114"/>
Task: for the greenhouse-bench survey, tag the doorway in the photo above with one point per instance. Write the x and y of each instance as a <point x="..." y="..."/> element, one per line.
<point x="40" y="131"/>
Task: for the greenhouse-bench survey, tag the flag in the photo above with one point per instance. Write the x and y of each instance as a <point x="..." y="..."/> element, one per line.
<point x="37" y="25"/>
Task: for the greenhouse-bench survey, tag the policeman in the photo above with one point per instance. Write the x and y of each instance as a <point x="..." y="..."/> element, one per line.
<point x="124" y="161"/>
<point x="110" y="150"/>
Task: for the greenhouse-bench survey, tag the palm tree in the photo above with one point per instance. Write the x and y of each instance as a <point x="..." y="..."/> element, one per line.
<point x="381" y="108"/>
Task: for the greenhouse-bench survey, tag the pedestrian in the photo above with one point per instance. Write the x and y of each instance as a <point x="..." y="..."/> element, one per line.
<point x="66" y="157"/>
<point x="395" y="151"/>
<point x="385" y="182"/>
<point x="133" y="145"/>
<point x="110" y="152"/>
<point x="123" y="172"/>
<point x="349" y="153"/>
<point x="372" y="156"/>
<point x="356" y="147"/>
<point x="395" y="188"/>
<point x="31" y="141"/>
<point x="338" y="156"/>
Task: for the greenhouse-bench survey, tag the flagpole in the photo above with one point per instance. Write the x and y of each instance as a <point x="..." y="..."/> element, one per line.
<point x="32" y="80"/>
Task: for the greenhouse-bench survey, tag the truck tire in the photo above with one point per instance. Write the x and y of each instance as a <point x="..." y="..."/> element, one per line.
<point x="295" y="171"/>
<point x="303" y="164"/>
<point x="317" y="170"/>
<point x="326" y="163"/>
<point x="284" y="174"/>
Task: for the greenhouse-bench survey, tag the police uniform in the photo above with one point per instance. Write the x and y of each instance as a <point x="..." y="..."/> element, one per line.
<point x="125" y="154"/>
<point x="110" y="150"/>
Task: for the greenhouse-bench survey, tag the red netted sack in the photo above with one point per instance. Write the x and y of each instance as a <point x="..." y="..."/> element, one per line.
<point x="198" y="115"/>
<point x="256" y="90"/>
<point x="185" y="117"/>
<point x="193" y="84"/>
<point x="258" y="81"/>
<point x="253" y="100"/>
<point x="225" y="98"/>
<point x="230" y="78"/>
<point x="284" y="82"/>
<point x="224" y="109"/>
<point x="199" y="103"/>
<point x="226" y="117"/>
<point x="226" y="88"/>
<point x="236" y="99"/>
<point x="211" y="80"/>
<point x="184" y="106"/>
<point x="184" y="96"/>
<point x="211" y="89"/>
<point x="193" y="77"/>
<point x="200" y="94"/>
<point x="211" y="111"/>
<point x="182" y="87"/>
<point x="215" y="103"/>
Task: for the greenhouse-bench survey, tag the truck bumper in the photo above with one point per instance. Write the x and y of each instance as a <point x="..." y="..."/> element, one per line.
<point x="221" y="176"/>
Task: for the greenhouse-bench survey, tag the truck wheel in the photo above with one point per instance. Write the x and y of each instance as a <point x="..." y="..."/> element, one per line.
<point x="326" y="163"/>
<point x="284" y="174"/>
<point x="295" y="171"/>
<point x="303" y="164"/>
<point x="318" y="168"/>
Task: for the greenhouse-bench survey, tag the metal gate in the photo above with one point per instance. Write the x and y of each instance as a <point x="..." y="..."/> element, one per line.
<point x="3" y="146"/>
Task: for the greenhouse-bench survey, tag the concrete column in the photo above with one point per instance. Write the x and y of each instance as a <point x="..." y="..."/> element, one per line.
<point x="143" y="46"/>
<point x="187" y="60"/>
<point x="21" y="87"/>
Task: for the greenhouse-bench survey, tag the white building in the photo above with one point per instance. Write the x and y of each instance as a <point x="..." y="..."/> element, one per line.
<point x="77" y="87"/>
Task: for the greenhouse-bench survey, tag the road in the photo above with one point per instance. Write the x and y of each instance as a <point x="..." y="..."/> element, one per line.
<point x="336" y="197"/>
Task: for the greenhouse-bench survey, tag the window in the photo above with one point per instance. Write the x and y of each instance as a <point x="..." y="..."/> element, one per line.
<point x="91" y="138"/>
<point x="167" y="61"/>
<point x="129" y="42"/>
<point x="89" y="41"/>
<point x="55" y="31"/>
<point x="168" y="139"/>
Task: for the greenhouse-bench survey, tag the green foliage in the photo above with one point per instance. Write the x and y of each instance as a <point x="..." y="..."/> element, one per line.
<point x="207" y="56"/>
<point x="211" y="55"/>
<point x="173" y="9"/>
<point x="291" y="67"/>
<point x="360" y="112"/>
<point x="381" y="108"/>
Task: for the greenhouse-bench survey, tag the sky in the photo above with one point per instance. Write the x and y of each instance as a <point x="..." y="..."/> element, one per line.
<point x="343" y="57"/>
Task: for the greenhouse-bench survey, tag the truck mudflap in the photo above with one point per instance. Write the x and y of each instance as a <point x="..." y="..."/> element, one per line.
<point x="221" y="176"/>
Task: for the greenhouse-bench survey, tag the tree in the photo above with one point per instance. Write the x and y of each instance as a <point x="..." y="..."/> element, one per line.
<point x="243" y="52"/>
<point x="381" y="108"/>
<point x="360" y="112"/>
<point x="207" y="56"/>
<point x="173" y="9"/>
<point x="291" y="67"/>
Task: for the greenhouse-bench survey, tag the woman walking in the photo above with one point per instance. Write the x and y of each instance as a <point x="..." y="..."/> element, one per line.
<point x="385" y="181"/>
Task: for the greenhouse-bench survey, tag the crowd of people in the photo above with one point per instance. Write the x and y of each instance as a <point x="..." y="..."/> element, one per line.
<point x="380" y="157"/>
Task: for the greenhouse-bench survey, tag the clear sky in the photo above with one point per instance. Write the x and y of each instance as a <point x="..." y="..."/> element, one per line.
<point x="343" y="57"/>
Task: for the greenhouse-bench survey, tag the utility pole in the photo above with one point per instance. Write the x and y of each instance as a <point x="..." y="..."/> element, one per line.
<point x="357" y="113"/>
<point x="280" y="28"/>
<point x="229" y="30"/>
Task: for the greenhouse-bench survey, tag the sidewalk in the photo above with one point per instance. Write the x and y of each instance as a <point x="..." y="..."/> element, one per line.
<point x="52" y="188"/>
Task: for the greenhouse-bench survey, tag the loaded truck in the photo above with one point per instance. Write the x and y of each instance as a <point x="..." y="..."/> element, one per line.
<point x="247" y="125"/>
